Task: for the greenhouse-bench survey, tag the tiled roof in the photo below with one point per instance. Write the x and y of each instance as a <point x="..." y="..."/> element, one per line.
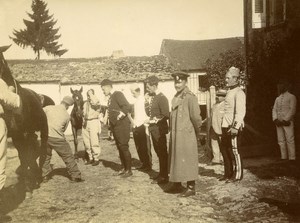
<point x="91" y="70"/>
<point x="192" y="54"/>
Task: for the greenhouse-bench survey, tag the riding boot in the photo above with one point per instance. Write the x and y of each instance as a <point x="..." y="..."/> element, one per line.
<point x="123" y="163"/>
<point x="127" y="159"/>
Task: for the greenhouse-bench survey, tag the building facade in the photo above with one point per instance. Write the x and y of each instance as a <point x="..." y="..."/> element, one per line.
<point x="272" y="43"/>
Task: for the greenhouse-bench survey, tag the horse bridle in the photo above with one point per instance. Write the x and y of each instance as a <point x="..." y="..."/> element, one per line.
<point x="3" y="70"/>
<point x="16" y="86"/>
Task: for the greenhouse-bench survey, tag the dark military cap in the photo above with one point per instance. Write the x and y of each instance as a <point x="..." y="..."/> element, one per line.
<point x="152" y="80"/>
<point x="106" y="82"/>
<point x="180" y="76"/>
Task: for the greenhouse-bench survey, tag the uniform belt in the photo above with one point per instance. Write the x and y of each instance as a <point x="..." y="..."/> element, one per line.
<point x="89" y="119"/>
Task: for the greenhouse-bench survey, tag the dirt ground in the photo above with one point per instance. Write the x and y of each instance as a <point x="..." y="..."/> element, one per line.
<point x="269" y="192"/>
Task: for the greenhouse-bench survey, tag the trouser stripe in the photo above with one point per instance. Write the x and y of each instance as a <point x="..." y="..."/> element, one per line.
<point x="238" y="163"/>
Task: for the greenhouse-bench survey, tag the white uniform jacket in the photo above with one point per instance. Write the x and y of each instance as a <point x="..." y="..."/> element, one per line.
<point x="234" y="108"/>
<point x="284" y="107"/>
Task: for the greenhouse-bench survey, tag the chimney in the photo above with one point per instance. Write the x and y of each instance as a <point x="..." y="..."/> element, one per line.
<point x="116" y="54"/>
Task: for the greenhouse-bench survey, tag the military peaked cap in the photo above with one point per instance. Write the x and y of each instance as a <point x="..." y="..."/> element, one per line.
<point x="180" y="76"/>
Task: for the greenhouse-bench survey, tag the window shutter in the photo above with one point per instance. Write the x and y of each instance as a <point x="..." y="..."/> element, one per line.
<point x="259" y="6"/>
<point x="258" y="14"/>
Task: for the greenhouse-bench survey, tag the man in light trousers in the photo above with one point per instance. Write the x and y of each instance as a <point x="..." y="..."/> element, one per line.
<point x="283" y="113"/>
<point x="216" y="127"/>
<point x="92" y="128"/>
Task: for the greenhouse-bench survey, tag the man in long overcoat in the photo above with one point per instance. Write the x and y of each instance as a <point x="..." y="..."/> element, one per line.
<point x="185" y="123"/>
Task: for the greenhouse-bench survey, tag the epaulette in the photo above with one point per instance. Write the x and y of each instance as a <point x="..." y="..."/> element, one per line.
<point x="186" y="93"/>
<point x="189" y="92"/>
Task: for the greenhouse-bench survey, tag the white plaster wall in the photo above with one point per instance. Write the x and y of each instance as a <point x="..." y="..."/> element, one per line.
<point x="168" y="89"/>
<point x="49" y="89"/>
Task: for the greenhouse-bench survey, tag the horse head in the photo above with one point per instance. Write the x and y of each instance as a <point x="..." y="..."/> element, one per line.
<point x="5" y="72"/>
<point x="78" y="102"/>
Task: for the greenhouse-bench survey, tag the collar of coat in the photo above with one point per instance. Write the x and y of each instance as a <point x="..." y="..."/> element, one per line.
<point x="179" y="96"/>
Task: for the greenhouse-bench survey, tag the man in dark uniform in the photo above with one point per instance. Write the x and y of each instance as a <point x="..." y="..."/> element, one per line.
<point x="158" y="111"/>
<point x="118" y="108"/>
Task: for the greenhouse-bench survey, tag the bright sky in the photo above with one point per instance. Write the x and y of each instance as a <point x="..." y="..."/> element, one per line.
<point x="93" y="28"/>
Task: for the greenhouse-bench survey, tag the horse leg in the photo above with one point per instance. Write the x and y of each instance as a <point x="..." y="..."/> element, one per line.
<point x="20" y="144"/>
<point x="74" y="131"/>
<point x="18" y="141"/>
<point x="32" y="154"/>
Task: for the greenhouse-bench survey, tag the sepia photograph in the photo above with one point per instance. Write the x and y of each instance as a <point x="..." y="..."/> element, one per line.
<point x="161" y="111"/>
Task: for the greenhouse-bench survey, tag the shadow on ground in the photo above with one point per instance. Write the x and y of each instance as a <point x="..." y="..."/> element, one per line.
<point x="11" y="198"/>
<point x="277" y="169"/>
<point x="208" y="172"/>
<point x="290" y="208"/>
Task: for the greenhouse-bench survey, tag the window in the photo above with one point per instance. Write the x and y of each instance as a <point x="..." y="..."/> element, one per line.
<point x="258" y="14"/>
<point x="277" y="10"/>
<point x="268" y="13"/>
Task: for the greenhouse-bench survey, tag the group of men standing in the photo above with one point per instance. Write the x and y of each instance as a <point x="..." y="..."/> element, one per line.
<point x="152" y="118"/>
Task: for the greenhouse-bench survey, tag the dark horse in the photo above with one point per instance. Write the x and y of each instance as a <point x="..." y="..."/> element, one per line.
<point x="76" y="115"/>
<point x="23" y="125"/>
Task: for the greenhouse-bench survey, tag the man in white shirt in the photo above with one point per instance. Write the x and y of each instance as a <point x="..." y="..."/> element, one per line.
<point x="8" y="100"/>
<point x="139" y="130"/>
<point x="283" y="113"/>
<point x="91" y="128"/>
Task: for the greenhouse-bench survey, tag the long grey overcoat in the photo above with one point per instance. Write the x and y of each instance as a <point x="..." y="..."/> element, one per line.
<point x="185" y="123"/>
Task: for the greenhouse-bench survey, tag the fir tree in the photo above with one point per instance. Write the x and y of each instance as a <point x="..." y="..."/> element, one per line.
<point x="39" y="33"/>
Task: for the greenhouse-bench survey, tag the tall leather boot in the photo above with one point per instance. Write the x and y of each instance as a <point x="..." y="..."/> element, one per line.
<point x="123" y="170"/>
<point x="122" y="159"/>
<point x="127" y="160"/>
